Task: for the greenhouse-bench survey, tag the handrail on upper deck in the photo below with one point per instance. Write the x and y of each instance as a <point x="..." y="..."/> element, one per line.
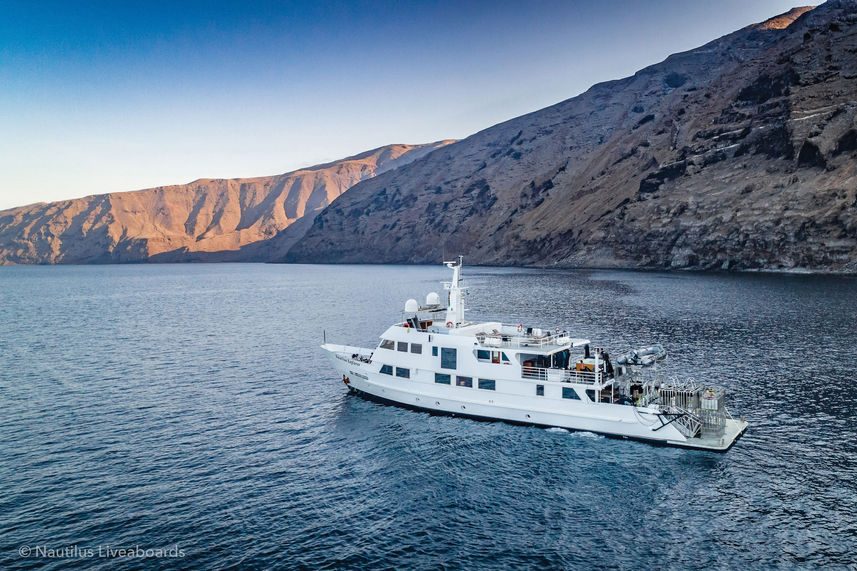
<point x="563" y="375"/>
<point x="509" y="336"/>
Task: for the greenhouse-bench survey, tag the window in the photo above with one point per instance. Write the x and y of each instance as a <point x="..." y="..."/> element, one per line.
<point x="387" y="344"/>
<point x="483" y="355"/>
<point x="464" y="381"/>
<point x="442" y="378"/>
<point x="505" y="358"/>
<point x="434" y="351"/>
<point x="404" y="373"/>
<point x="416" y="348"/>
<point x="403" y="347"/>
<point x="569" y="393"/>
<point x="591" y="394"/>
<point x="486" y="384"/>
<point x="540" y="390"/>
<point x="448" y="358"/>
<point x="387" y="369"/>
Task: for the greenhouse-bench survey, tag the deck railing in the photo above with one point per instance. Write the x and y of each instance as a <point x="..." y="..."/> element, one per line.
<point x="562" y="375"/>
<point x="516" y="340"/>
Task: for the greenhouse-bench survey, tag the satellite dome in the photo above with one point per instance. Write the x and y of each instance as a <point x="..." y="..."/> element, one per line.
<point x="433" y="299"/>
<point x="411" y="306"/>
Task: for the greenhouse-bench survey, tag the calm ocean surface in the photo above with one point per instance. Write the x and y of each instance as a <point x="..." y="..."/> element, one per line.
<point x="190" y="407"/>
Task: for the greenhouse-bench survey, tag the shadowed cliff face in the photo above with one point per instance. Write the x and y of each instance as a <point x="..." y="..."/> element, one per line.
<point x="208" y="219"/>
<point x="738" y="154"/>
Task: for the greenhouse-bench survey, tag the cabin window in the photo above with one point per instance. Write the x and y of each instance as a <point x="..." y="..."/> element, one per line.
<point x="487" y="384"/>
<point x="540" y="390"/>
<point x="570" y="393"/>
<point x="434" y="351"/>
<point x="403" y="347"/>
<point x="464" y="381"/>
<point x="442" y="378"/>
<point x="387" y="369"/>
<point x="402" y="372"/>
<point x="448" y="358"/>
<point x="591" y="394"/>
<point x="491" y="356"/>
<point x="387" y="344"/>
<point x="416" y="348"/>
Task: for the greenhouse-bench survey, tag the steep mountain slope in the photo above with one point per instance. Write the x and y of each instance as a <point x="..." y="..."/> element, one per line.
<point x="738" y="154"/>
<point x="208" y="219"/>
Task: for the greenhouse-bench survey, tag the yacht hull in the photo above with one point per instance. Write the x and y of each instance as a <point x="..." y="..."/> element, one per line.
<point x="615" y="421"/>
<point x="689" y="445"/>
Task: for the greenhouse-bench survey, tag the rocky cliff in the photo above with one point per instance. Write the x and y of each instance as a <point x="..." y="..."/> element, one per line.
<point x="740" y="154"/>
<point x="208" y="219"/>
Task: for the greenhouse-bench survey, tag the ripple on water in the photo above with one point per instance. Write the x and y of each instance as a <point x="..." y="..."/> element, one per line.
<point x="191" y="405"/>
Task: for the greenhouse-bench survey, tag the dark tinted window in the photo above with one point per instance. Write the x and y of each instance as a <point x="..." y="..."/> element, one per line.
<point x="569" y="393"/>
<point x="486" y="384"/>
<point x="403" y="347"/>
<point x="387" y="344"/>
<point x="416" y="348"/>
<point x="434" y="351"/>
<point x="404" y="373"/>
<point x="591" y="394"/>
<point x="441" y="378"/>
<point x="540" y="390"/>
<point x="387" y="369"/>
<point x="448" y="358"/>
<point x="464" y="381"/>
<point x="483" y="355"/>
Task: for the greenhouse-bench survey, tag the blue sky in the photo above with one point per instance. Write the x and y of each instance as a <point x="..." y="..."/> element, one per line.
<point x="109" y="96"/>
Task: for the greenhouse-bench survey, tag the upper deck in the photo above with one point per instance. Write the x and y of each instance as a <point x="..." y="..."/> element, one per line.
<point x="493" y="334"/>
<point x="448" y="319"/>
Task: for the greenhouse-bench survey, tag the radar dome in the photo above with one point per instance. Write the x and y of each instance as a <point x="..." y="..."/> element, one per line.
<point x="433" y="299"/>
<point x="411" y="306"/>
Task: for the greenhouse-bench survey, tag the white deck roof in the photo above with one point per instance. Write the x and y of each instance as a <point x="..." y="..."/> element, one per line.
<point x="495" y="335"/>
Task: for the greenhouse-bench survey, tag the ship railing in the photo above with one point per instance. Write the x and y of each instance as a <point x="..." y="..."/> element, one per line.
<point x="362" y="357"/>
<point x="510" y="337"/>
<point x="562" y="375"/>
<point x="646" y="399"/>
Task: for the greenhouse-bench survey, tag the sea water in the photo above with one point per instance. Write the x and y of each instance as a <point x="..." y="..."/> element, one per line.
<point x="184" y="416"/>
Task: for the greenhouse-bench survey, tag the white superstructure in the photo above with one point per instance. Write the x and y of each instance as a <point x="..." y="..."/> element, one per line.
<point x="437" y="361"/>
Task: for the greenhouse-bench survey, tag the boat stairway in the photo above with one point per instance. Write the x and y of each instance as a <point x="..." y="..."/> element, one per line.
<point x="687" y="422"/>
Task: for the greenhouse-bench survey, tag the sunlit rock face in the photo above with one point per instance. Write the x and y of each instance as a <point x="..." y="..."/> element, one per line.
<point x="208" y="219"/>
<point x="737" y="155"/>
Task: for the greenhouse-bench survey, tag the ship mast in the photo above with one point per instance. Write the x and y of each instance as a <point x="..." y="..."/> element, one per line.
<point x="455" y="299"/>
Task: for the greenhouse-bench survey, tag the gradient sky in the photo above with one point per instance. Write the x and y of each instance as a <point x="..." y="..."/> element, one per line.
<point x="108" y="96"/>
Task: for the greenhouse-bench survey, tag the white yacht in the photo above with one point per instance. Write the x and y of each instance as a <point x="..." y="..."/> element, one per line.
<point x="437" y="361"/>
